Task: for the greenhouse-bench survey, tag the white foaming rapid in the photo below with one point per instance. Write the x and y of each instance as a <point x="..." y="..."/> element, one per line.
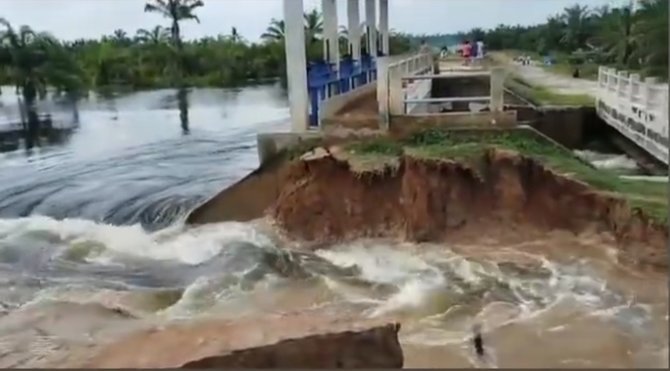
<point x="178" y="243"/>
<point x="433" y="283"/>
<point x="608" y="161"/>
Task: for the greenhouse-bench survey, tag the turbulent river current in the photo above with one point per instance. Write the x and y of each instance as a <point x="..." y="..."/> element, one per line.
<point x="93" y="246"/>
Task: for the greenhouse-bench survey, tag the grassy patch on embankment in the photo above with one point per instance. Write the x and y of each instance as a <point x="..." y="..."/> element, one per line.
<point x="541" y="96"/>
<point x="470" y="146"/>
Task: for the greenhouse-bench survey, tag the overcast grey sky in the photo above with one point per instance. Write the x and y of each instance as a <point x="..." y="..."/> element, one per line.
<point x="71" y="19"/>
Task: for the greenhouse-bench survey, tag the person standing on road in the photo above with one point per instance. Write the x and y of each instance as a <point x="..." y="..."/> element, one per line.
<point x="467" y="52"/>
<point x="480" y="49"/>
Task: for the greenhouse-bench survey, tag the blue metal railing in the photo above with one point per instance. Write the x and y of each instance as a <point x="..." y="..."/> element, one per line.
<point x="325" y="80"/>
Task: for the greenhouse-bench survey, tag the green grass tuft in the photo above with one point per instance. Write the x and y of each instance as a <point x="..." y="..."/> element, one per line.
<point x="541" y="96"/>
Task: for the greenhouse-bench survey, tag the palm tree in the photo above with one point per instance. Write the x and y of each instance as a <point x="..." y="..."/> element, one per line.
<point x="576" y="33"/>
<point x="120" y="36"/>
<point x="275" y="31"/>
<point x="650" y="37"/>
<point x="616" y="34"/>
<point x="551" y="34"/>
<point x="313" y="28"/>
<point x="36" y="61"/>
<point x="156" y="35"/>
<point x="177" y="11"/>
<point x="313" y="25"/>
<point x="235" y="36"/>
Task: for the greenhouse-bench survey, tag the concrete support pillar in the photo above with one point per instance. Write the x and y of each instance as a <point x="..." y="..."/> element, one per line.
<point x="296" y="65"/>
<point x="371" y="26"/>
<point x="331" y="44"/>
<point x="384" y="25"/>
<point x="354" y="29"/>
<point x="383" y="91"/>
<point x="497" y="89"/>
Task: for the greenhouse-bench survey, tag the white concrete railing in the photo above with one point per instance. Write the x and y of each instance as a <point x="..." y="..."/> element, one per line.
<point x="637" y="109"/>
<point x="495" y="99"/>
<point x="391" y="93"/>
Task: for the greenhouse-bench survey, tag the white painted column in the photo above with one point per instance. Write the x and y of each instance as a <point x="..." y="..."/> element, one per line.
<point x="384" y="25"/>
<point x="354" y="29"/>
<point x="371" y="26"/>
<point x="296" y="65"/>
<point x="331" y="50"/>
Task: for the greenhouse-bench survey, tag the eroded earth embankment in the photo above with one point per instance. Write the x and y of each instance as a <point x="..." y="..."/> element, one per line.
<point x="502" y="194"/>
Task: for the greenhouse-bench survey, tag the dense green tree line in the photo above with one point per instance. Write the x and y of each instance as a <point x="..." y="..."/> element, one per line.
<point x="158" y="57"/>
<point x="624" y="37"/>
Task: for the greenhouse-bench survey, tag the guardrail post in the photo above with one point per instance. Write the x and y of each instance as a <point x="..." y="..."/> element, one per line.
<point x="634" y="86"/>
<point x="664" y="113"/>
<point x="383" y="91"/>
<point x="648" y="86"/>
<point x="497" y="89"/>
<point x="601" y="77"/>
<point x="396" y="99"/>
<point x="622" y="76"/>
<point x="612" y="80"/>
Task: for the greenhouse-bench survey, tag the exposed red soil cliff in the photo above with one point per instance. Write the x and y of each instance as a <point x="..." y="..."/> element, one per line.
<point x="322" y="200"/>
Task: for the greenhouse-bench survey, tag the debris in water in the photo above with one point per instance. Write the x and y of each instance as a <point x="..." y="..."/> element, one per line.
<point x="477" y="340"/>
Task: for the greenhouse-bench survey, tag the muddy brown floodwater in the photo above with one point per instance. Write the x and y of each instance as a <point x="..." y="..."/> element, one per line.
<point x="557" y="300"/>
<point x="84" y="266"/>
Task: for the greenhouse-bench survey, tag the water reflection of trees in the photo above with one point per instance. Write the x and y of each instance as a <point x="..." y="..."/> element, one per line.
<point x="50" y="131"/>
<point x="182" y="102"/>
<point x="34" y="61"/>
<point x="177" y="11"/>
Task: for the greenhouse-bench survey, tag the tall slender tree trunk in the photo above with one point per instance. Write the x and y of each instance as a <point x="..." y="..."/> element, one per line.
<point x="72" y="98"/>
<point x="32" y="134"/>
<point x="182" y="101"/>
<point x="182" y="89"/>
<point x="29" y="93"/>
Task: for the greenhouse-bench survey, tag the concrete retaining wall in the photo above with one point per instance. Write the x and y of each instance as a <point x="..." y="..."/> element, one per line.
<point x="406" y="124"/>
<point x="270" y="144"/>
<point x="566" y="125"/>
<point x="336" y="103"/>
<point x="419" y="89"/>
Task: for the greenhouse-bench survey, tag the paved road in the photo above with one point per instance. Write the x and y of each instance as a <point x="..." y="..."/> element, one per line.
<point x="557" y="83"/>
